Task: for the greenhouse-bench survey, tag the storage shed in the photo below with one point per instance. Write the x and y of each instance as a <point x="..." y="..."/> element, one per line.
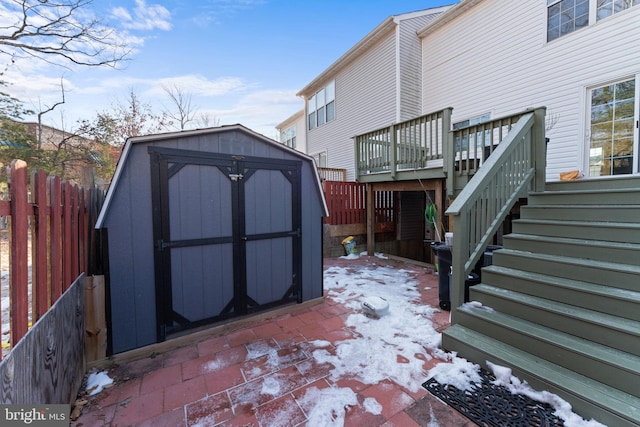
<point x="204" y="226"/>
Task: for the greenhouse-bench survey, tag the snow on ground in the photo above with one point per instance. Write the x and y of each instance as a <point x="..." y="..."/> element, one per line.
<point x="97" y="381"/>
<point x="395" y="346"/>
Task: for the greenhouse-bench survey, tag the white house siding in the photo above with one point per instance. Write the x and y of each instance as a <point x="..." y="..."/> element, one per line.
<point x="409" y="51"/>
<point x="365" y="100"/>
<point x="495" y="59"/>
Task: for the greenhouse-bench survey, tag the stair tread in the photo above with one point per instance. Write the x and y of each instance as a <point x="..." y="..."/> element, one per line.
<point x="602" y="290"/>
<point x="574" y="241"/>
<point x="583" y="314"/>
<point x="578" y="206"/>
<point x="597" y="394"/>
<point x="610" y="224"/>
<point x="584" y="191"/>
<point x="606" y="265"/>
<point x="612" y="357"/>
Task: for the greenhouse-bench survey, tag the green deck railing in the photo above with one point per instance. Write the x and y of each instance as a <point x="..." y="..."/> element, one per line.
<point x="516" y="165"/>
<point x="410" y="145"/>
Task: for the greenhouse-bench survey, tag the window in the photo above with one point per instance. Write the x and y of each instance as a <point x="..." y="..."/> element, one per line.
<point x="321" y="106"/>
<point x="609" y="7"/>
<point x="566" y="16"/>
<point x="612" y="129"/>
<point x="320" y="158"/>
<point x="288" y="136"/>
<point x="477" y="138"/>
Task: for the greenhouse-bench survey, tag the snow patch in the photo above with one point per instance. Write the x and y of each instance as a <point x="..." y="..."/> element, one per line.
<point x="98" y="381"/>
<point x="371" y="405"/>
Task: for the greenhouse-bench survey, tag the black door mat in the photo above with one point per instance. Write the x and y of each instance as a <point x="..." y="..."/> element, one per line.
<point x="494" y="405"/>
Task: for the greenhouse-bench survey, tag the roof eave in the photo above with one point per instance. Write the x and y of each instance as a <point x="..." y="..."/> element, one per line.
<point x="369" y="40"/>
<point x="452" y="13"/>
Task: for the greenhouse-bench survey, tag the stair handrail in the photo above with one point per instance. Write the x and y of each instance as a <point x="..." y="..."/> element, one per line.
<point x="516" y="166"/>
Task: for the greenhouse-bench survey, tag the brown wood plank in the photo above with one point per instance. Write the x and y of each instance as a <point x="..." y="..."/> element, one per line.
<point x="47" y="365"/>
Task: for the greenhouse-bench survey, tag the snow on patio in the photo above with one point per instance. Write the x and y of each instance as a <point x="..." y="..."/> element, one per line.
<point x="313" y="378"/>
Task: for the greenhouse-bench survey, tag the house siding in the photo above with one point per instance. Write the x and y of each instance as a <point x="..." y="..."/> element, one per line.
<point x="495" y="59"/>
<point x="410" y="66"/>
<point x="365" y="100"/>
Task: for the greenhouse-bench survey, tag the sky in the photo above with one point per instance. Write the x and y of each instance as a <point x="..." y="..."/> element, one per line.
<point x="404" y="332"/>
<point x="242" y="61"/>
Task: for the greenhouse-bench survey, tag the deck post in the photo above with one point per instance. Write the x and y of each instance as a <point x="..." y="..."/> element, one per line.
<point x="448" y="150"/>
<point x="393" y="150"/>
<point x="539" y="148"/>
<point x="371" y="220"/>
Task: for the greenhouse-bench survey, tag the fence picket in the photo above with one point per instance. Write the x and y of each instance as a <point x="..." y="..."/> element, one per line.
<point x="41" y="294"/>
<point x="56" y="237"/>
<point x="19" y="277"/>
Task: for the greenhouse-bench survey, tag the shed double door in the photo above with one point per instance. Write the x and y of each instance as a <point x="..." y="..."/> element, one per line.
<point x="227" y="236"/>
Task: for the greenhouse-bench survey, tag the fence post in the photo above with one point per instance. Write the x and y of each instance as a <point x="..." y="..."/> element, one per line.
<point x="19" y="234"/>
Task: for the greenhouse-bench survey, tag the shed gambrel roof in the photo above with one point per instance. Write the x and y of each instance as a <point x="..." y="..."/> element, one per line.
<point x="363" y="45"/>
<point x="182" y="134"/>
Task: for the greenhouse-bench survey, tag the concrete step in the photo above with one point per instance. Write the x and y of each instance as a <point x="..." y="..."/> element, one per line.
<point x="579" y="248"/>
<point x="588" y="397"/>
<point x="614" y="275"/>
<point x="602" y="298"/>
<point x="606" y="329"/>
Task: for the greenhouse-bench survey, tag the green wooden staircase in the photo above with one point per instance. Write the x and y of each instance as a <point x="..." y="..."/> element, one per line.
<point x="561" y="302"/>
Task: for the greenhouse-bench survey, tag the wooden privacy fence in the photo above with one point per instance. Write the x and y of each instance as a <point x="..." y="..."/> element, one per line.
<point x="347" y="203"/>
<point x="49" y="217"/>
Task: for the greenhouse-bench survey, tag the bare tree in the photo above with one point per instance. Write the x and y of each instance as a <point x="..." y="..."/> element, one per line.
<point x="206" y="119"/>
<point x="58" y="29"/>
<point x="42" y="112"/>
<point x="185" y="111"/>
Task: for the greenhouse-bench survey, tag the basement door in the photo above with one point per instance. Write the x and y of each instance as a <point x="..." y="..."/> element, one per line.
<point x="227" y="236"/>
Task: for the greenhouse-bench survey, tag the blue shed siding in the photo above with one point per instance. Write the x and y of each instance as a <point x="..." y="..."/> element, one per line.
<point x="128" y="218"/>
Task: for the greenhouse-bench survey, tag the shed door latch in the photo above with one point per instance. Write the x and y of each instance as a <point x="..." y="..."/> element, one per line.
<point x="235" y="176"/>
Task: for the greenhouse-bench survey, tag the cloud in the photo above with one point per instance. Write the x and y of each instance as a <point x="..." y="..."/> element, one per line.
<point x="145" y="17"/>
<point x="200" y="85"/>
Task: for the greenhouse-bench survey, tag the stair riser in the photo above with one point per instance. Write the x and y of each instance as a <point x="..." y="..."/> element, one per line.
<point x="629" y="214"/>
<point x="607" y="233"/>
<point x="606" y="184"/>
<point x="553" y="247"/>
<point x="528" y="369"/>
<point x="621" y="340"/>
<point x="586" y="273"/>
<point x="601" y="198"/>
<point x="599" y="370"/>
<point x="553" y="292"/>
